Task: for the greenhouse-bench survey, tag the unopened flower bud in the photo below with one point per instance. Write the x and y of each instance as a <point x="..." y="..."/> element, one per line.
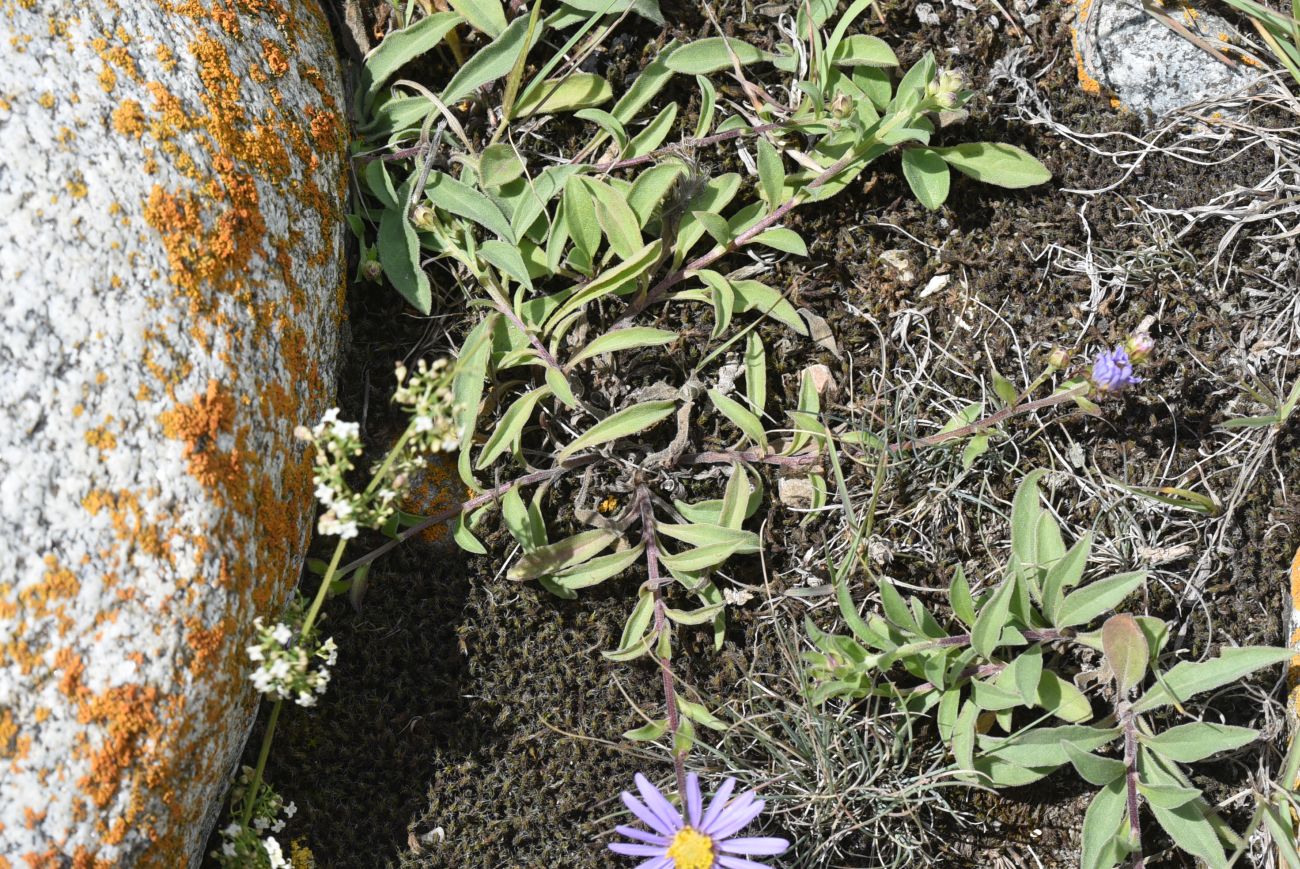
<point x="423" y="217"/>
<point x="1059" y="358"/>
<point x="946" y="90"/>
<point x="371" y="270"/>
<point x="302" y="433"/>
<point x="841" y="105"/>
<point x="1139" y="346"/>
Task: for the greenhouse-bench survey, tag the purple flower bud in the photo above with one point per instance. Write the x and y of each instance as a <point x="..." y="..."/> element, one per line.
<point x="1113" y="371"/>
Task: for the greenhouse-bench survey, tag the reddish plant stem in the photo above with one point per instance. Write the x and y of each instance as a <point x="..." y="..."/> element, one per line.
<point x="714" y="139"/>
<point x="467" y="506"/>
<point x="659" y="290"/>
<point x="646" y="509"/>
<point x="1127" y="720"/>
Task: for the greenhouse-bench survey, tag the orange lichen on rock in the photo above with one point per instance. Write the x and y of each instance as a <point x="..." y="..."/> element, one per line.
<point x="200" y="425"/>
<point x="130" y="720"/>
<point x="128" y="118"/>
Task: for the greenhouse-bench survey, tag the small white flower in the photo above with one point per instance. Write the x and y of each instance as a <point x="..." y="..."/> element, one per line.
<point x="290" y="810"/>
<point x="282" y="634"/>
<point x="274" y="854"/>
<point x="255" y="653"/>
<point x="228" y="849"/>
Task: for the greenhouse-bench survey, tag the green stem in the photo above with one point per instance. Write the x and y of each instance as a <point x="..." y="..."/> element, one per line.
<point x="262" y="755"/>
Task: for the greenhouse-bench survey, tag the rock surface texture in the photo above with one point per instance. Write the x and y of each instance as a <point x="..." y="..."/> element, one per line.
<point x="171" y="289"/>
<point x="1150" y="68"/>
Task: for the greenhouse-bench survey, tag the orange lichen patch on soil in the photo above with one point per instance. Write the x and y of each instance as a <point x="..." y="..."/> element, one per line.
<point x="200" y="424"/>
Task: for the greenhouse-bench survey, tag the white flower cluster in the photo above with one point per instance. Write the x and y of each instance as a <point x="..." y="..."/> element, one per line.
<point x="254" y="846"/>
<point x="337" y="443"/>
<point x="283" y="672"/>
<point x="427" y="395"/>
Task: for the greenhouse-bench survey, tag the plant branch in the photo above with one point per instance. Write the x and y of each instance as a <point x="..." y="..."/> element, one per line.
<point x="687" y="144"/>
<point x="1128" y="722"/>
<point x="646" y="509"/>
<point x="468" y="506"/>
<point x="659" y="290"/>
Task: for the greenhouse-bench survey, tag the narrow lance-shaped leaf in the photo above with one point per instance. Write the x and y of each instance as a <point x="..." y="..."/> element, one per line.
<point x="996" y="163"/>
<point x="992" y="618"/>
<point x="564" y="553"/>
<point x="492" y="61"/>
<point x="741" y="417"/>
<point x="1188" y="743"/>
<point x="1188" y="679"/>
<point x="626" y="422"/>
<point x="624" y="339"/>
<point x="1084" y="605"/>
<point x="402" y="46"/>
<point x="713" y="54"/>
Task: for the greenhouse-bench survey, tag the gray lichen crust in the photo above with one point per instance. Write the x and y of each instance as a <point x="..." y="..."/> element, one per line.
<point x="171" y="293"/>
<point x="1148" y="66"/>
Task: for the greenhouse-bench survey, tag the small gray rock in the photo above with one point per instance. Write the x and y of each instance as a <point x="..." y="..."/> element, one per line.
<point x="1149" y="67"/>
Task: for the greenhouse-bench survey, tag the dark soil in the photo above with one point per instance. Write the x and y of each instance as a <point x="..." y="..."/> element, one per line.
<point x="472" y="722"/>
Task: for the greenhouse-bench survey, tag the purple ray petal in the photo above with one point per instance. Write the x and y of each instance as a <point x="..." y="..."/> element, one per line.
<point x="718" y="804"/>
<point x="755" y="847"/>
<point x="656" y="863"/>
<point x="628" y="849"/>
<point x="647" y="817"/>
<point x="694" y="799"/>
<point x="736" y="818"/>
<point x="740" y="863"/>
<point x="658" y="804"/>
<point x="641" y="835"/>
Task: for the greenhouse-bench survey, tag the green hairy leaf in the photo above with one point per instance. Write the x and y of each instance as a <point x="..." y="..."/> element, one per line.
<point x="1188" y="679"/>
<point x="927" y="175"/>
<point x="492" y="62"/>
<point x="995" y="163"/>
<point x="402" y="46"/>
<point x="1126" y="650"/>
<point x="741" y="417"/>
<point x="624" y="423"/>
<point x="1188" y="743"/>
<point x="624" y="339"/>
<point x="1092" y="600"/>
<point x="713" y="54"/>
<point x="565" y="553"/>
<point x="485" y="15"/>
<point x="399" y="255"/>
<point x="579" y="90"/>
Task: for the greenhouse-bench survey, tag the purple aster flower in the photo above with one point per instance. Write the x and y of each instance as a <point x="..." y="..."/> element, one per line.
<point x="1113" y="371"/>
<point x="700" y="840"/>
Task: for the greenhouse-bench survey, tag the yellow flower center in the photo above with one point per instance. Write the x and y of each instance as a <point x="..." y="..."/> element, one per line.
<point x="691" y="849"/>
